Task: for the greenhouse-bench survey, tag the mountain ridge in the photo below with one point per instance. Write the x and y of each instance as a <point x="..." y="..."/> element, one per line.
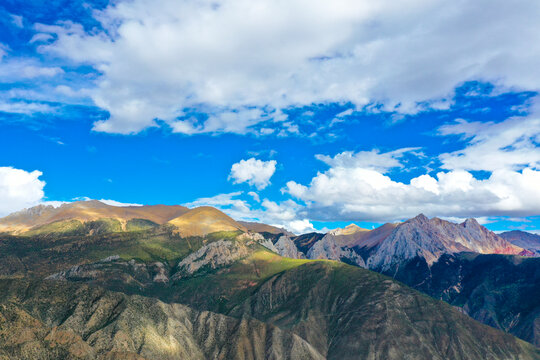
<point x="84" y="211"/>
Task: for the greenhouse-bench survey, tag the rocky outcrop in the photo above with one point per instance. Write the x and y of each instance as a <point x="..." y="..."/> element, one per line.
<point x="114" y="269"/>
<point x="211" y="256"/>
<point x="55" y="320"/>
<point x="328" y="248"/>
<point x="286" y="248"/>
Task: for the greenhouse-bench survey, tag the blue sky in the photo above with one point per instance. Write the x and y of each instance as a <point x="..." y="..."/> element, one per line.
<point x="303" y="119"/>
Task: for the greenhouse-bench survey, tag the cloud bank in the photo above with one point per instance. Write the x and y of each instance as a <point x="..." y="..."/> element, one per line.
<point x="241" y="62"/>
<point x="359" y="185"/>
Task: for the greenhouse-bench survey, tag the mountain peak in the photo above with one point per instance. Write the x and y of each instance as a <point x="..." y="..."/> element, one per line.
<point x="347" y="230"/>
<point x="204" y="220"/>
<point x="471" y="222"/>
<point x="420" y="218"/>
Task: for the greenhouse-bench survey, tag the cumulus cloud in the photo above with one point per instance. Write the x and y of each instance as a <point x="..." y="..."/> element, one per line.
<point x="253" y="171"/>
<point x="19" y="189"/>
<point x="357" y="186"/>
<point x="229" y="58"/>
<point x="353" y="193"/>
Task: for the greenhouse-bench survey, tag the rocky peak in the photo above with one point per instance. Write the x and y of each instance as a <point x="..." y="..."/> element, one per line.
<point x="420" y="219"/>
<point x="471" y="223"/>
<point x="429" y="239"/>
<point x="347" y="230"/>
<point x="287" y="248"/>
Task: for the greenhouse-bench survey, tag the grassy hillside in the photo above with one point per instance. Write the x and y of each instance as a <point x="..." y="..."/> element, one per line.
<point x="47" y="253"/>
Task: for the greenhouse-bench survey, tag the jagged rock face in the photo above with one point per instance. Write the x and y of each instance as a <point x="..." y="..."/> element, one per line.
<point x="113" y="269"/>
<point x="286" y="248"/>
<point x="267" y="243"/>
<point x="62" y="321"/>
<point x="283" y="246"/>
<point x="524" y="240"/>
<point x="429" y="239"/>
<point x="213" y="255"/>
<point x="328" y="248"/>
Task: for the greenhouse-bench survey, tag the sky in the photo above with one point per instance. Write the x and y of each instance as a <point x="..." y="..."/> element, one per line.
<point x="308" y="115"/>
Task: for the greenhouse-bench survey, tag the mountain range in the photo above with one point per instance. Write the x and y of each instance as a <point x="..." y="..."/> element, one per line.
<point x="89" y="280"/>
<point x="523" y="239"/>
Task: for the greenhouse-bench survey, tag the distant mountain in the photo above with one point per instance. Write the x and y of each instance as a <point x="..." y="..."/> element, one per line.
<point x="392" y="245"/>
<point x="205" y="220"/>
<point x="523" y="239"/>
<point x="264" y="228"/>
<point x="80" y="212"/>
<point x="429" y="239"/>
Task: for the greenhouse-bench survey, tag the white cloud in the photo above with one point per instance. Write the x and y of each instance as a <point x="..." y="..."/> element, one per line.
<point x="301" y="226"/>
<point x="19" y="189"/>
<point x="373" y="159"/>
<point x="105" y="201"/>
<point x="23" y="68"/>
<point x="41" y="37"/>
<point x="27" y="108"/>
<point x="255" y="196"/>
<point x="118" y="203"/>
<point x="510" y="144"/>
<point x="253" y="171"/>
<point x="349" y="191"/>
<point x="158" y="58"/>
